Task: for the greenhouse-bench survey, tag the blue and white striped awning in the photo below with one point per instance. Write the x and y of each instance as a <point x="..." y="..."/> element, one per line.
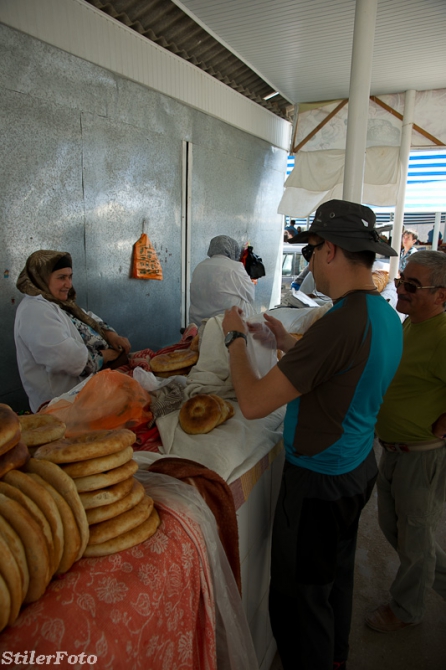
<point x="426" y="182"/>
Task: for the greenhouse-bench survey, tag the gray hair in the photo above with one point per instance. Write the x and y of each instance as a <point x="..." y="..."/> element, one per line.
<point x="435" y="261"/>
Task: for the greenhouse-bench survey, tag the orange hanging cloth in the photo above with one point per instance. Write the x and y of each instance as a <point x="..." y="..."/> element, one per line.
<point x="145" y="264"/>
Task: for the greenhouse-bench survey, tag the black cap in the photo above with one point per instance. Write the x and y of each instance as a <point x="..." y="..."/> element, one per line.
<point x="348" y="225"/>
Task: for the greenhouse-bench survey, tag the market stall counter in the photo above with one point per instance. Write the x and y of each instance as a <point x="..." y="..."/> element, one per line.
<point x="172" y="600"/>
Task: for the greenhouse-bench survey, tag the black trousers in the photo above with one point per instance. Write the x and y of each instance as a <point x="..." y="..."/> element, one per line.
<point x="312" y="568"/>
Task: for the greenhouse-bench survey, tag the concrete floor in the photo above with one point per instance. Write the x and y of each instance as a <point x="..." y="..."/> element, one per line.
<point x="422" y="647"/>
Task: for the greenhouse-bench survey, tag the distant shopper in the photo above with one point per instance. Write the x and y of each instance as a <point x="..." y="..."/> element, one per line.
<point x="430" y="237"/>
<point x="409" y="238"/>
<point x="291" y="228"/>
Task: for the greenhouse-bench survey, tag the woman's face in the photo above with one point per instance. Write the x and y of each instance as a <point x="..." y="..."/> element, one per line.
<point x="60" y="283"/>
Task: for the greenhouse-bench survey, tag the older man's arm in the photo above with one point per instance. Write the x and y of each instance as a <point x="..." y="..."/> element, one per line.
<point x="439" y="427"/>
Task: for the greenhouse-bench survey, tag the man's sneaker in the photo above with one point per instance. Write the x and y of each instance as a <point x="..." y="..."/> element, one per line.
<point x="384" y="620"/>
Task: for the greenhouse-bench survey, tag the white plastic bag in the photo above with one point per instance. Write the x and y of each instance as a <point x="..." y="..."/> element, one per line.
<point x="262" y="345"/>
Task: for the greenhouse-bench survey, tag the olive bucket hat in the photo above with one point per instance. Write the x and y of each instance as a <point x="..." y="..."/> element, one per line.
<point x="348" y="225"/>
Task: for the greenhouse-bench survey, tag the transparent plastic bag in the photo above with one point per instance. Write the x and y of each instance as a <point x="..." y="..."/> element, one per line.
<point x="262" y="345"/>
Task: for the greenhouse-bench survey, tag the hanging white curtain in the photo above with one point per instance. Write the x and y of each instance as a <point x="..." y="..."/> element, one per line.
<point x="318" y="176"/>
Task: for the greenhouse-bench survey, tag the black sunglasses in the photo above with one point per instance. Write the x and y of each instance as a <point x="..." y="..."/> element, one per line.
<point x="307" y="251"/>
<point x="409" y="286"/>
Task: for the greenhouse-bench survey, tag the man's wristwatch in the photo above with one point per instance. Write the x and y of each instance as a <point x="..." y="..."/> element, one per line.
<point x="233" y="335"/>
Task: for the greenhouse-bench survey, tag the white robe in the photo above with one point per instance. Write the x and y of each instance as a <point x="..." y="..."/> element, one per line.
<point x="50" y="351"/>
<point x="219" y="283"/>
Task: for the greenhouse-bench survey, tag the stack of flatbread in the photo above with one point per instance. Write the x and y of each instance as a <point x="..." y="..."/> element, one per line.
<point x="13" y="450"/>
<point x="38" y="429"/>
<point x="101" y="466"/>
<point x="204" y="412"/>
<point x="174" y="363"/>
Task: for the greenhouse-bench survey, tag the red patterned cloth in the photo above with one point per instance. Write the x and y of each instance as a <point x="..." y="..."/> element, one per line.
<point x="147" y="607"/>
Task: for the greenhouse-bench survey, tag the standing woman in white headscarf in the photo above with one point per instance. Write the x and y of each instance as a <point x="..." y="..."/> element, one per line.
<point x="220" y="282"/>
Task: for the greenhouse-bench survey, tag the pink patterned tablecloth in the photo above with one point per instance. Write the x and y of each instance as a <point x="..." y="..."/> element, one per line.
<point x="147" y="607"/>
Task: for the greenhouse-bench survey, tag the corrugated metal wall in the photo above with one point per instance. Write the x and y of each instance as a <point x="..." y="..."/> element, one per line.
<point x="86" y="156"/>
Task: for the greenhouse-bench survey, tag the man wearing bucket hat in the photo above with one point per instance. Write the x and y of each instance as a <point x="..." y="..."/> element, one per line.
<point x="332" y="381"/>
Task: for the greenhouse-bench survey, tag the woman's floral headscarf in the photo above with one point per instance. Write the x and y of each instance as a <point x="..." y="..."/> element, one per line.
<point x="33" y="280"/>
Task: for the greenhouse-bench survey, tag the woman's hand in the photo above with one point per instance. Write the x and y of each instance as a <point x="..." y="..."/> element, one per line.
<point x="233" y="321"/>
<point x="118" y="343"/>
<point x="109" y="355"/>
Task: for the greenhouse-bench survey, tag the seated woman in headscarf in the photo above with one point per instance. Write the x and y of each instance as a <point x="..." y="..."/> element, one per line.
<point x="220" y="282"/>
<point x="57" y="343"/>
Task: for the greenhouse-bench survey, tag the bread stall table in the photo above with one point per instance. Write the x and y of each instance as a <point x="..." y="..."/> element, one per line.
<point x="160" y="604"/>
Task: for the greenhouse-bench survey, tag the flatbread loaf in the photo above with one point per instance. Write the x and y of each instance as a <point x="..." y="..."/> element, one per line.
<point x="104" y="479"/>
<point x="9" y="428"/>
<point x="36" y="549"/>
<point x="14" y="458"/>
<point x="16" y="546"/>
<point x="11" y="574"/>
<point x="46" y="504"/>
<point x="40" y="429"/>
<point x="175" y="360"/>
<point x="27" y="503"/>
<point x="96" y="465"/>
<point x="72" y="536"/>
<point x="106" y="496"/>
<point x="89" y="445"/>
<point x="106" y="530"/>
<point x="105" y="512"/>
<point x="174" y="373"/>
<point x="129" y="539"/>
<point x="5" y="600"/>
<point x="200" y="414"/>
<point x="380" y="279"/>
<point x="64" y="485"/>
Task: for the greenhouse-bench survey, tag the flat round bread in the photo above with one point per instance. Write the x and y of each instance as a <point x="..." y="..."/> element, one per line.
<point x="5" y="600"/>
<point x="27" y="503"/>
<point x="380" y="279"/>
<point x="36" y="549"/>
<point x="40" y="429"/>
<point x="96" y="465"/>
<point x="224" y="408"/>
<point x="173" y="373"/>
<point x="64" y="485"/>
<point x="89" y="445"/>
<point x="14" y="458"/>
<point x="106" y="496"/>
<point x="105" y="512"/>
<point x="129" y="539"/>
<point x="11" y="574"/>
<point x="231" y="410"/>
<point x="9" y="428"/>
<point x="46" y="504"/>
<point x="200" y="414"/>
<point x="175" y="360"/>
<point x="101" y="481"/>
<point x="72" y="536"/>
<point x="106" y="530"/>
<point x="16" y="546"/>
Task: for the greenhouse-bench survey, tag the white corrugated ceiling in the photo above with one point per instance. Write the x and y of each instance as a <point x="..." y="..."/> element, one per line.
<point x="302" y="48"/>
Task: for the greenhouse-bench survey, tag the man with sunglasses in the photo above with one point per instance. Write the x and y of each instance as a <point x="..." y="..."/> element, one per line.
<point x="411" y="428"/>
<point x="333" y="381"/>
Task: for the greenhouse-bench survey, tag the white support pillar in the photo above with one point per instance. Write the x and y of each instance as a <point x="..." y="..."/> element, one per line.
<point x="406" y="136"/>
<point x="436" y="231"/>
<point x="358" y="105"/>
